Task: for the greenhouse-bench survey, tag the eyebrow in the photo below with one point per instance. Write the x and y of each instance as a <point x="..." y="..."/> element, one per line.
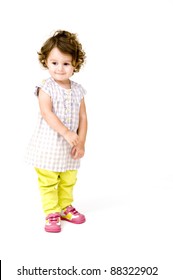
<point x="51" y="59"/>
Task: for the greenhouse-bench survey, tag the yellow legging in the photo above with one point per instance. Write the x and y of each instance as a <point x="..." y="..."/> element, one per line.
<point x="56" y="189"/>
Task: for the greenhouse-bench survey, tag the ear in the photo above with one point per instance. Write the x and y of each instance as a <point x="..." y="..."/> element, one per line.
<point x="75" y="67"/>
<point x="45" y="63"/>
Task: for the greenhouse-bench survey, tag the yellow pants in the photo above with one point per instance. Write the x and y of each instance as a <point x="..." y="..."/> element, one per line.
<point x="56" y="189"/>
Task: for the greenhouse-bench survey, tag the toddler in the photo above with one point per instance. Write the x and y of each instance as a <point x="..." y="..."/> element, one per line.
<point x="58" y="141"/>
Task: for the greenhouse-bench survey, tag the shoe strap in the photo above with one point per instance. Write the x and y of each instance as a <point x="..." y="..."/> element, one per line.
<point x="70" y="209"/>
<point x="53" y="217"/>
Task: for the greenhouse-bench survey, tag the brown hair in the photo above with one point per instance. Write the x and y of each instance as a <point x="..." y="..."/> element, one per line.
<point x="67" y="43"/>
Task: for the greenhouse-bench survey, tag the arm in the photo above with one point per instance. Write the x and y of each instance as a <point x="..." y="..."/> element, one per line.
<point x="82" y="129"/>
<point x="79" y="149"/>
<point x="53" y="121"/>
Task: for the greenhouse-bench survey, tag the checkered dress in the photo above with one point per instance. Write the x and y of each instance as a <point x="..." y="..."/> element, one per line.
<point x="47" y="148"/>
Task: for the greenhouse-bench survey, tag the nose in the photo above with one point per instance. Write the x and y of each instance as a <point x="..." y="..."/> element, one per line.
<point x="60" y="67"/>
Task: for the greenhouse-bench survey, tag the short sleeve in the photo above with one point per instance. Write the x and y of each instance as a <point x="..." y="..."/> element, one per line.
<point x="82" y="91"/>
<point x="45" y="86"/>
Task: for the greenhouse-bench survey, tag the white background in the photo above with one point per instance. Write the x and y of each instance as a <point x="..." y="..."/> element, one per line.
<point x="126" y="177"/>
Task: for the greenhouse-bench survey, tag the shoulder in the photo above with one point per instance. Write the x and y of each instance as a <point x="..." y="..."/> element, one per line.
<point x="46" y="85"/>
<point x="78" y="87"/>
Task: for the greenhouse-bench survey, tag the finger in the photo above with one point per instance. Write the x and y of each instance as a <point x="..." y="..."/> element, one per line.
<point x="76" y="141"/>
<point x="76" y="154"/>
<point x="73" y="151"/>
<point x="71" y="144"/>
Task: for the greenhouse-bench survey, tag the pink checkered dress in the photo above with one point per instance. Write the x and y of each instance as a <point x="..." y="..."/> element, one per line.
<point x="48" y="149"/>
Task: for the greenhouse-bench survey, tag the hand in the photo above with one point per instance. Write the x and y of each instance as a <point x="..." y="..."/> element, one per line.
<point x="77" y="151"/>
<point x="71" y="137"/>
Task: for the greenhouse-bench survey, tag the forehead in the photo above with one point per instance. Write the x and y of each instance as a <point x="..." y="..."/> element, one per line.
<point x="56" y="54"/>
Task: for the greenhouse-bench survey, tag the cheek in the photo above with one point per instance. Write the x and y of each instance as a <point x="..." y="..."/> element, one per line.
<point x="51" y="69"/>
<point x="51" y="72"/>
<point x="70" y="70"/>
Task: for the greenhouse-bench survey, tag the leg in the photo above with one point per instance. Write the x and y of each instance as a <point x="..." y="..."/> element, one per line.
<point x="65" y="193"/>
<point x="48" y="183"/>
<point x="65" y="187"/>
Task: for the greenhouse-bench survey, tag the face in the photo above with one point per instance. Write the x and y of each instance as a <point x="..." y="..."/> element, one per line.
<point x="60" y="65"/>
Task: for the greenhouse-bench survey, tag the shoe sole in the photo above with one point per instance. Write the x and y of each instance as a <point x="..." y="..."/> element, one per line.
<point x="53" y="231"/>
<point x="74" y="222"/>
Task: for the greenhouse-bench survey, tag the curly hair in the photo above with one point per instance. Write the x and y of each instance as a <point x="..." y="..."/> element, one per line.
<point x="67" y="43"/>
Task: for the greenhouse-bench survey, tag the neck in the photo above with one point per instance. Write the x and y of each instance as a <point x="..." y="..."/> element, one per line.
<point x="64" y="84"/>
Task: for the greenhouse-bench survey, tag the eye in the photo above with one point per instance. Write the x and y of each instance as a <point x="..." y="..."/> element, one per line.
<point x="55" y="63"/>
<point x="66" y="63"/>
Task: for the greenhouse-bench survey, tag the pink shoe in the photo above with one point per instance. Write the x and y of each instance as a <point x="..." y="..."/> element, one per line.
<point x="53" y="223"/>
<point x="71" y="215"/>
